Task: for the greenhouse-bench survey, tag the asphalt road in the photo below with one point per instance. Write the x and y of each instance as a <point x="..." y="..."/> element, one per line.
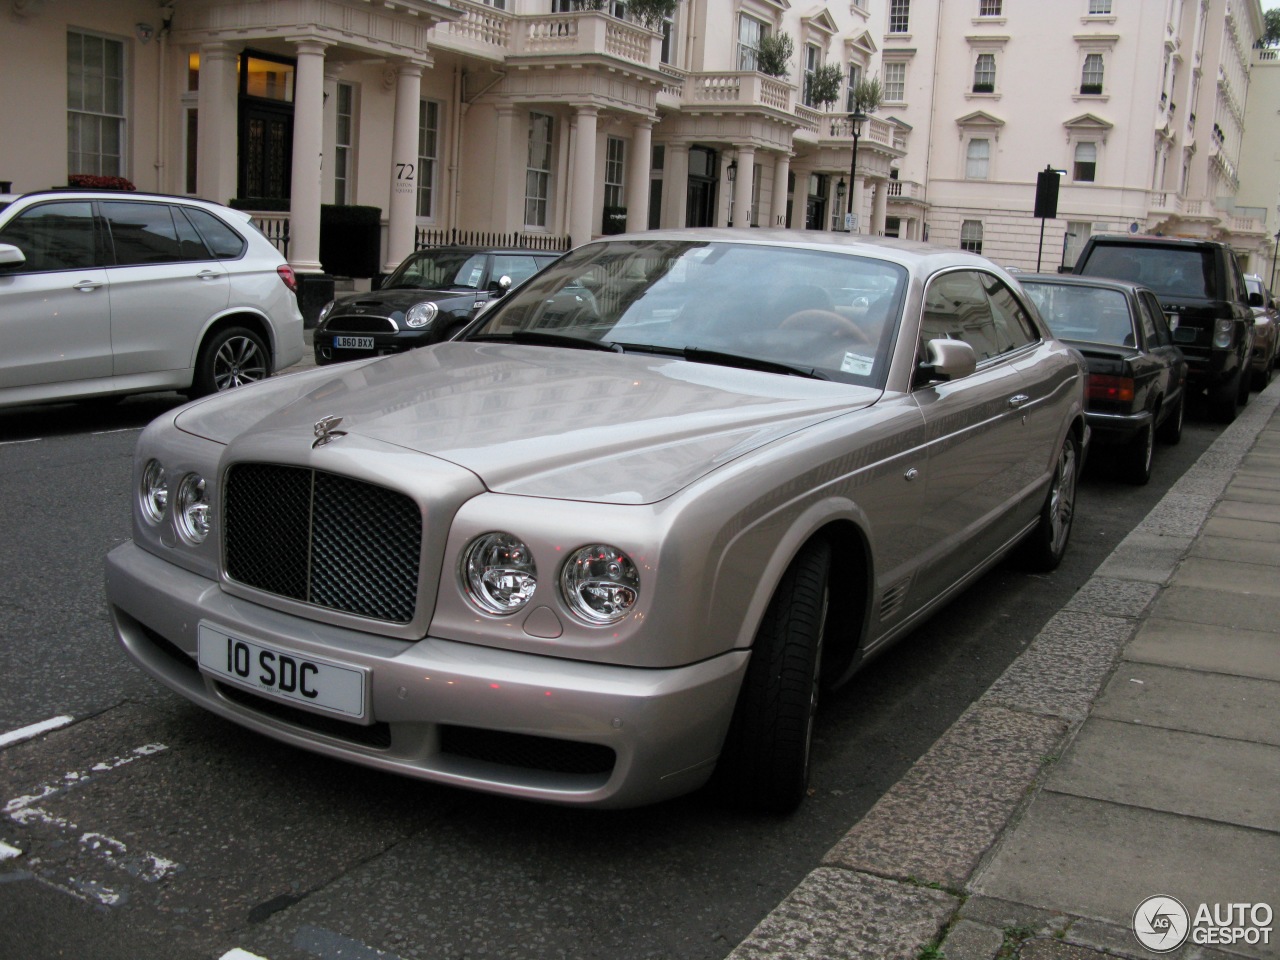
<point x="143" y="828"/>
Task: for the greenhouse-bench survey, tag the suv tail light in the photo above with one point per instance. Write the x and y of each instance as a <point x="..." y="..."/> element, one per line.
<point x="288" y="276"/>
<point x="1116" y="389"/>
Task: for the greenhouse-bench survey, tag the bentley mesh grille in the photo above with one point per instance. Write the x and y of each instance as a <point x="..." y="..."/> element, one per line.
<point x="323" y="539"/>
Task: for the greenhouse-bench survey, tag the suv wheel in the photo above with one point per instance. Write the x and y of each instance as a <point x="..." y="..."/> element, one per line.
<point x="230" y="358"/>
<point x="1226" y="404"/>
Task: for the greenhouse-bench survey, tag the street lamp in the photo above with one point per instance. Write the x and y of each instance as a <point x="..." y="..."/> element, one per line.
<point x="856" y="120"/>
<point x="1273" y="258"/>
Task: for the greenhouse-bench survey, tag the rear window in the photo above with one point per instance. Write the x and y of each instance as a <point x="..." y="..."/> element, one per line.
<point x="1169" y="271"/>
<point x="1091" y="314"/>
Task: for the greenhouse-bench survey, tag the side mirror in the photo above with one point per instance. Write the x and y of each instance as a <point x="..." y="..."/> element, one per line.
<point x="946" y="360"/>
<point x="11" y="256"/>
<point x="499" y="287"/>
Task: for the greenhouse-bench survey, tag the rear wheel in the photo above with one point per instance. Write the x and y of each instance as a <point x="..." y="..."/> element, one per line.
<point x="1225" y="406"/>
<point x="1136" y="465"/>
<point x="765" y="761"/>
<point x="1262" y="377"/>
<point x="230" y="358"/>
<point x="1170" y="431"/>
<point x="1047" y="543"/>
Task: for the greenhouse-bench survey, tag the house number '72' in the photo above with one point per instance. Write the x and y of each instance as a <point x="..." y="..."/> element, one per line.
<point x="404" y="171"/>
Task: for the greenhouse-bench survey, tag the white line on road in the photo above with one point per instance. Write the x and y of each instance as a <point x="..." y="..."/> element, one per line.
<point x="34" y="730"/>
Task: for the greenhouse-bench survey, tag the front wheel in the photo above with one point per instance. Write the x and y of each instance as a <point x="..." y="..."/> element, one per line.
<point x="764" y="764"/>
<point x="231" y="358"/>
<point x="1047" y="543"/>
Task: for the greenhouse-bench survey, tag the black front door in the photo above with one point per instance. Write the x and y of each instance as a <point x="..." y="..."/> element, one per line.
<point x="266" y="151"/>
<point x="701" y="208"/>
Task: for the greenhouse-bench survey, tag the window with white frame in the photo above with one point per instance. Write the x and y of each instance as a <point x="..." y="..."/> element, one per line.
<point x="95" y="105"/>
<point x="855" y="78"/>
<point x="1099" y="8"/>
<point x="344" y="144"/>
<point x="990" y="8"/>
<point x="1091" y="75"/>
<point x="971" y="236"/>
<point x="1077" y="233"/>
<point x="895" y="82"/>
<point x="668" y="29"/>
<point x="812" y="61"/>
<point x="984" y="73"/>
<point x="615" y="156"/>
<point x="750" y="32"/>
<point x="899" y="16"/>
<point x="1085" y="166"/>
<point x="537" y="177"/>
<point x="977" y="159"/>
<point x="428" y="155"/>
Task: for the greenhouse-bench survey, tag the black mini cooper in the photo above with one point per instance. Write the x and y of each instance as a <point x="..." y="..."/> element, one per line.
<point x="430" y="297"/>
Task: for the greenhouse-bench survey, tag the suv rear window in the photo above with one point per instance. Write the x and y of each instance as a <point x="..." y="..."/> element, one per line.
<point x="1169" y="271"/>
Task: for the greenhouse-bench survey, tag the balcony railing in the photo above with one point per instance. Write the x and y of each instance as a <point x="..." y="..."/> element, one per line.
<point x="739" y="88"/>
<point x="484" y="29"/>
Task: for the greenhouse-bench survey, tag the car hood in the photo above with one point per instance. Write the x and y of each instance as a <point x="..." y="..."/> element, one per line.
<point x="402" y="299"/>
<point x="537" y="421"/>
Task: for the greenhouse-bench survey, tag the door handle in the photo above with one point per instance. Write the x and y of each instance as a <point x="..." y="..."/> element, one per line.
<point x="87" y="286"/>
<point x="1018" y="399"/>
<point x="208" y="275"/>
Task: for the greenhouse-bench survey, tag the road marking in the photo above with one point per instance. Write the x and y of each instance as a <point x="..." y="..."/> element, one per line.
<point x="238" y="954"/>
<point x="7" y="852"/>
<point x="34" y="730"/>
<point x="328" y="945"/>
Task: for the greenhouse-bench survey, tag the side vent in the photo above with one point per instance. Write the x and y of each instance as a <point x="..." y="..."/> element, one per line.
<point x="891" y="600"/>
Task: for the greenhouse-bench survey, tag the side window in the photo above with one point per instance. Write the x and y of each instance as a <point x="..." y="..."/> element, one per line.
<point x="54" y="236"/>
<point x="222" y="241"/>
<point x="957" y="307"/>
<point x="516" y="267"/>
<point x="1154" y="319"/>
<point x="1019" y="329"/>
<point x="144" y="233"/>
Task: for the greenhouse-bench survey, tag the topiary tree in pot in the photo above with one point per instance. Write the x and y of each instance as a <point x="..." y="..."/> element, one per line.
<point x="822" y="86"/>
<point x="773" y="55"/>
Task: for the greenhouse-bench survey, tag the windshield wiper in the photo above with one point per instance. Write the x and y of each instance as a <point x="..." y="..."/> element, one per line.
<point x="547" y="340"/>
<point x="742" y="362"/>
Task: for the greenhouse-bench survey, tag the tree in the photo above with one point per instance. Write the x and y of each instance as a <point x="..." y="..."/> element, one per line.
<point x="1271" y="36"/>
<point x="866" y="96"/>
<point x="651" y="13"/>
<point x="773" y="56"/>
<point x="823" y="84"/>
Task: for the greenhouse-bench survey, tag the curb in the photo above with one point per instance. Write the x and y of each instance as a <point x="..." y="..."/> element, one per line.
<point x="894" y="885"/>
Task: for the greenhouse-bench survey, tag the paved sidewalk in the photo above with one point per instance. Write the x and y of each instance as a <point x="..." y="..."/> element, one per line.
<point x="1133" y="750"/>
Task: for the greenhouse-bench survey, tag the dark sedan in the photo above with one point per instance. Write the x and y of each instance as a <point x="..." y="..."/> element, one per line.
<point x="432" y="295"/>
<point x="1136" y="375"/>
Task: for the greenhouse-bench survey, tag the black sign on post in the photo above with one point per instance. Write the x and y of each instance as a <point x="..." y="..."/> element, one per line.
<point x="1046" y="202"/>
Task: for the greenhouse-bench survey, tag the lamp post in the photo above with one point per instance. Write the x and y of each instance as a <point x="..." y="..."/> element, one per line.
<point x="856" y="120"/>
<point x="840" y="193"/>
<point x="1273" y="260"/>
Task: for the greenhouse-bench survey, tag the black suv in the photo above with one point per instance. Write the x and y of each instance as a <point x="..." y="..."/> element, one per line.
<point x="432" y="295"/>
<point x="1202" y="292"/>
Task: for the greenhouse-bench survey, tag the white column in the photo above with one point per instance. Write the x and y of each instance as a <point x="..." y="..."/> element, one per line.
<point x="505" y="170"/>
<point x="742" y="186"/>
<point x="879" y="207"/>
<point x="308" y="151"/>
<point x="583" y="177"/>
<point x="216" y="134"/>
<point x="675" y="185"/>
<point x="781" y="176"/>
<point x="638" y="176"/>
<point x="402" y="207"/>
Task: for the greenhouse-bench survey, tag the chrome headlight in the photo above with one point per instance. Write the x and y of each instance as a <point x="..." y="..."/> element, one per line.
<point x="1222" y="334"/>
<point x="499" y="573"/>
<point x="192" y="509"/>
<point x="420" y="314"/>
<point x="325" y="311"/>
<point x="153" y="491"/>
<point x="600" y="583"/>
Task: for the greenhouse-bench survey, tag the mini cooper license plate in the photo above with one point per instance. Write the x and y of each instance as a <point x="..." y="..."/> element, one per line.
<point x="353" y="343"/>
<point x="318" y="684"/>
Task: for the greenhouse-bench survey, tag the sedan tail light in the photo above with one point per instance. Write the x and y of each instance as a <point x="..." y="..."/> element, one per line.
<point x="1116" y="389"/>
<point x="288" y="276"/>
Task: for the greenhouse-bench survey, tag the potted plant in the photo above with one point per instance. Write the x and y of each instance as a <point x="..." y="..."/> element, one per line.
<point x="822" y="86"/>
<point x="773" y="55"/>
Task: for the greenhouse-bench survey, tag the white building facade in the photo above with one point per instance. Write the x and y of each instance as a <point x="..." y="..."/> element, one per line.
<point x="550" y="119"/>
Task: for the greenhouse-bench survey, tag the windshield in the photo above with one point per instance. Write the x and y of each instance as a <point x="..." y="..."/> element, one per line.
<point x="439" y="269"/>
<point x="1083" y="313"/>
<point x="778" y="308"/>
<point x="1169" y="271"/>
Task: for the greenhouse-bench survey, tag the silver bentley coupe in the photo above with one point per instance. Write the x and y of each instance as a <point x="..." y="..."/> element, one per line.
<point x="608" y="544"/>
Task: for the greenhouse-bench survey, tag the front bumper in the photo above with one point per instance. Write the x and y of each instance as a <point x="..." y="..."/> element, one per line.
<point x="518" y="724"/>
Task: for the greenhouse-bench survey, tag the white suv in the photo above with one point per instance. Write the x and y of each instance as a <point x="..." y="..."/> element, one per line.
<point x="107" y="293"/>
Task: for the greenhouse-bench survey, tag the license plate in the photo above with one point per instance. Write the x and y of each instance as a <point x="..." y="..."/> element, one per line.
<point x="319" y="684"/>
<point x="353" y="343"/>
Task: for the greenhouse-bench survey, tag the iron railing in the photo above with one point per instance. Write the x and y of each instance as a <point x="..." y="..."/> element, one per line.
<point x="453" y="237"/>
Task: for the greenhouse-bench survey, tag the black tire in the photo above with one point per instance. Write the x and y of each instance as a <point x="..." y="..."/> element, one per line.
<point x="230" y="358"/>
<point x="1046" y="545"/>
<point x="1261" y="378"/>
<point x="1225" y="406"/>
<point x="1170" y="431"/>
<point x="764" y="765"/>
<point x="1136" y="464"/>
